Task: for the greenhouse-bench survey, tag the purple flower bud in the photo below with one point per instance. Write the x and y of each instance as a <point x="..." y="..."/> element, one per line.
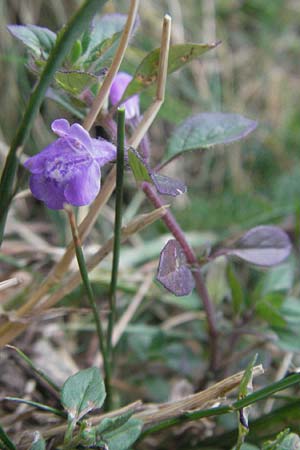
<point x="118" y="87"/>
<point x="68" y="170"/>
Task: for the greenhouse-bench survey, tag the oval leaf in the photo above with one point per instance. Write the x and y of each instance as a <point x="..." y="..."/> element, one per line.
<point x="167" y="186"/>
<point x="123" y="437"/>
<point x="179" y="55"/>
<point x="83" y="392"/>
<point x="142" y="172"/>
<point x="173" y="272"/>
<point x="38" y="40"/>
<point x="207" y="129"/>
<point x="262" y="246"/>
<point x="75" y="82"/>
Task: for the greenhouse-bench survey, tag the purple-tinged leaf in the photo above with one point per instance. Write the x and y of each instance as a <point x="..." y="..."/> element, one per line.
<point x="167" y="186"/>
<point x="207" y="129"/>
<point x="142" y="172"/>
<point x="173" y="272"/>
<point x="264" y="245"/>
<point x="38" y="40"/>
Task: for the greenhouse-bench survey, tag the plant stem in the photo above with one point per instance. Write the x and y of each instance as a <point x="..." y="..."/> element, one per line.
<point x="41" y="406"/>
<point x="177" y="232"/>
<point x="116" y="249"/>
<point x="89" y="291"/>
<point x="5" y="441"/>
<point x="243" y="403"/>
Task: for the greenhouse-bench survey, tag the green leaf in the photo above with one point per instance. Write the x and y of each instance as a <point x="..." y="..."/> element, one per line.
<point x="75" y="82"/>
<point x="109" y="424"/>
<point x="279" y="278"/>
<point x="207" y="129"/>
<point x="268" y="308"/>
<point x="39" y="443"/>
<point x="237" y="294"/>
<point x="123" y="437"/>
<point x="284" y="441"/>
<point x="75" y="52"/>
<point x="102" y="28"/>
<point x="83" y="392"/>
<point x="138" y="166"/>
<point x="103" y="52"/>
<point x="179" y="55"/>
<point x="38" y="40"/>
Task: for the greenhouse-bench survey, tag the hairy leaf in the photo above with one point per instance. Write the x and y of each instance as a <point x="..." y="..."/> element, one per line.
<point x="142" y="172"/>
<point x="75" y="82"/>
<point x="83" y="392"/>
<point x="173" y="272"/>
<point x="264" y="245"/>
<point x="38" y="40"/>
<point x="179" y="55"/>
<point x="123" y="437"/>
<point x="207" y="129"/>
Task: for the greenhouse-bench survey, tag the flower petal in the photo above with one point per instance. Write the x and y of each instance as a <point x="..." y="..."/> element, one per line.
<point x="61" y="127"/>
<point x="79" y="138"/>
<point x="84" y="186"/>
<point x="118" y="87"/>
<point x="103" y="151"/>
<point x="46" y="190"/>
<point x="35" y="164"/>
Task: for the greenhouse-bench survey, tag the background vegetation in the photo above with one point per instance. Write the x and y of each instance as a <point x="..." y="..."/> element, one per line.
<point x="163" y="353"/>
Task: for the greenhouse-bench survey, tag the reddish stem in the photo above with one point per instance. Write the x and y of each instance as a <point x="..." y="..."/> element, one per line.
<point x="177" y="232"/>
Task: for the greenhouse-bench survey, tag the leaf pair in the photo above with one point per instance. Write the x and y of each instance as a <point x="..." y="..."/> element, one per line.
<point x="264" y="246"/>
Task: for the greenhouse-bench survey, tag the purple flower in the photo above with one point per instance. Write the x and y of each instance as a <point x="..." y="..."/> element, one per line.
<point x="68" y="170"/>
<point x="118" y="87"/>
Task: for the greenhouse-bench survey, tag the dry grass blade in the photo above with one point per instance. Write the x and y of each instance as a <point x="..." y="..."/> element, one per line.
<point x="155" y="413"/>
<point x="74" y="280"/>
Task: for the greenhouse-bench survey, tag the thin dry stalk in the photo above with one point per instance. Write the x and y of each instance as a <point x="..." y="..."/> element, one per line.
<point x="104" y="91"/>
<point x="74" y="280"/>
<point x="156" y="413"/>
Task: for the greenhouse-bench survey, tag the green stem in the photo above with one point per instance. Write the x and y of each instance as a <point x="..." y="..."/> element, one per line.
<point x="64" y="42"/>
<point x="41" y="406"/>
<point x="116" y="249"/>
<point x="243" y="403"/>
<point x="39" y="372"/>
<point x="5" y="441"/>
<point x="86" y="282"/>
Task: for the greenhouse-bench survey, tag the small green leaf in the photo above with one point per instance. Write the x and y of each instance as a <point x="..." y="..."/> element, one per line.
<point x="39" y="443"/>
<point x="123" y="437"/>
<point x="75" y="82"/>
<point x="83" y="392"/>
<point x="268" y="308"/>
<point x="103" y="52"/>
<point x="109" y="424"/>
<point x="103" y="27"/>
<point x="38" y="40"/>
<point x="138" y="167"/>
<point x="237" y="293"/>
<point x="284" y="441"/>
<point x="207" y="129"/>
<point x="179" y="55"/>
<point x="75" y="52"/>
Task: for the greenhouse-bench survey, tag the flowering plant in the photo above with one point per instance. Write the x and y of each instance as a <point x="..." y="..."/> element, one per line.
<point x="68" y="170"/>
